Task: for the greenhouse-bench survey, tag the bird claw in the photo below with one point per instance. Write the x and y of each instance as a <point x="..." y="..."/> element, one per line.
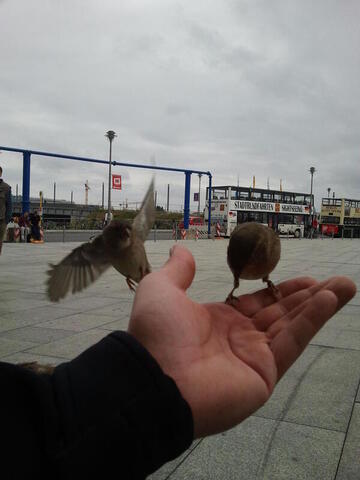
<point x="273" y="289"/>
<point x="231" y="300"/>
<point x="131" y="284"/>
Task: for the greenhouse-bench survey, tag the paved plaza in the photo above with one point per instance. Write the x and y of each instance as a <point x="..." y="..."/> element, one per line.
<point x="310" y="428"/>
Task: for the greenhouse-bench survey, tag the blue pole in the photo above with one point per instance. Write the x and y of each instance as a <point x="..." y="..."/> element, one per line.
<point x="26" y="182"/>
<point x="209" y="203"/>
<point x="95" y="160"/>
<point x="187" y="199"/>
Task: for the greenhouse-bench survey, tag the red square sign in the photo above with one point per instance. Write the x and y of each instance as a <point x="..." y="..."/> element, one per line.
<point x="116" y="182"/>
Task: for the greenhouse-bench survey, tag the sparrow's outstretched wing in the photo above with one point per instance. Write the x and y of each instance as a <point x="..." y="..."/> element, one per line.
<point x="78" y="269"/>
<point x="144" y="220"/>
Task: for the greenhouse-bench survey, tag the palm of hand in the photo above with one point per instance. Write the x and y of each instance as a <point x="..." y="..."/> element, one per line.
<point x="225" y="361"/>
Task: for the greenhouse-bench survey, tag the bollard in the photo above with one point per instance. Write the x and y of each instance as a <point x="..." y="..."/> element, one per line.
<point x="218" y="229"/>
<point x="155" y="232"/>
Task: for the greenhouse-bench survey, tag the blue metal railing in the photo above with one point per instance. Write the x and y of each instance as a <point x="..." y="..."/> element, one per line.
<point x="27" y="164"/>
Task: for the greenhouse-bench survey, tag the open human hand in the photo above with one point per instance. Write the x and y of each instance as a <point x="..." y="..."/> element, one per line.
<point x="226" y="361"/>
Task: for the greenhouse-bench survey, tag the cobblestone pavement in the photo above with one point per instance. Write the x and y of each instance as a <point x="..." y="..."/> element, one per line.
<point x="310" y="428"/>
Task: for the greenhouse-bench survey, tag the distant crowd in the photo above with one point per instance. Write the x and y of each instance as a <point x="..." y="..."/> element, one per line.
<point x="25" y="228"/>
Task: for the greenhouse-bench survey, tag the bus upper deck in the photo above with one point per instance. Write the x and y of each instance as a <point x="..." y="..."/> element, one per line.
<point x="286" y="212"/>
<point x="340" y="217"/>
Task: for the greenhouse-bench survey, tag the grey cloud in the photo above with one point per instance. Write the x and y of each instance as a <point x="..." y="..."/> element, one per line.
<point x="237" y="87"/>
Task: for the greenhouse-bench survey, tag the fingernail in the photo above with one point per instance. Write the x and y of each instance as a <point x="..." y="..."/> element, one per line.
<point x="172" y="250"/>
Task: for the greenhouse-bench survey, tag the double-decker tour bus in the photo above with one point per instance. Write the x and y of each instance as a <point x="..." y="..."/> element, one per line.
<point x="340" y="217"/>
<point x="287" y="212"/>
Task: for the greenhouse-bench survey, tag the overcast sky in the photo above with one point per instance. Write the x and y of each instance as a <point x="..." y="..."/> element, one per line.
<point x="240" y="88"/>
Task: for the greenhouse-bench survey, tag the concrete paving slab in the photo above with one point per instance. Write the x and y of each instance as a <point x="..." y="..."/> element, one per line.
<point x="35" y="334"/>
<point x="79" y="322"/>
<point x="299" y="452"/>
<point x="349" y="468"/>
<point x="114" y="310"/>
<point x="351" y="309"/>
<point x="169" y="468"/>
<point x="20" y="304"/>
<point x="338" y="337"/>
<point x="233" y="455"/>
<point x="344" y="321"/>
<point x="119" y="324"/>
<point x="262" y="449"/>
<point x="8" y="346"/>
<point x="302" y="429"/>
<point x="69" y="347"/>
<point x="32" y="316"/>
<point x="324" y="395"/>
<point x="318" y="390"/>
<point x="83" y="302"/>
<point x="286" y="390"/>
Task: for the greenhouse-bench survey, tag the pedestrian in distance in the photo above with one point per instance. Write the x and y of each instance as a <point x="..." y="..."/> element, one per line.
<point x="35" y="226"/>
<point x="25" y="227"/>
<point x="5" y="207"/>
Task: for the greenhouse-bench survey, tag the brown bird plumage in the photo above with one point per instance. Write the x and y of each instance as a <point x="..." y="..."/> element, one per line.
<point x="121" y="245"/>
<point x="253" y="253"/>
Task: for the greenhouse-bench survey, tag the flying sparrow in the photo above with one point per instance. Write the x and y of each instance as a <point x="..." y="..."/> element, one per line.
<point x="120" y="245"/>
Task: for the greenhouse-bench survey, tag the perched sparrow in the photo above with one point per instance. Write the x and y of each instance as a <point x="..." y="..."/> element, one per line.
<point x="253" y="252"/>
<point x="121" y="245"/>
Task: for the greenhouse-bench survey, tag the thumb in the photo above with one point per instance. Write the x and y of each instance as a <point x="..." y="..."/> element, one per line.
<point x="180" y="268"/>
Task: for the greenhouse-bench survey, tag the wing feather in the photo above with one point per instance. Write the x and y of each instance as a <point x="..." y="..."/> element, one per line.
<point x="144" y="220"/>
<point x="77" y="270"/>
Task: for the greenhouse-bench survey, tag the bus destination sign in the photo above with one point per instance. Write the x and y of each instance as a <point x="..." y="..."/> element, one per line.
<point x="249" y="205"/>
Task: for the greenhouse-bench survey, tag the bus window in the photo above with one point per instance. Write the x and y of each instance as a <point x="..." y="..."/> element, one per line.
<point x="285" y="218"/>
<point x="267" y="196"/>
<point x="287" y="198"/>
<point x="307" y="199"/>
<point x="330" y="219"/>
<point x="299" y="199"/>
<point x="256" y="195"/>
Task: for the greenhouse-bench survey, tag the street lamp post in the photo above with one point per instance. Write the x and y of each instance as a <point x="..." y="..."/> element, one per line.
<point x="312" y="171"/>
<point x="110" y="135"/>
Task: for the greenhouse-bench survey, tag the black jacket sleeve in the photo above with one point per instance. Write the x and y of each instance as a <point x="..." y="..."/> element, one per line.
<point x="8" y="206"/>
<point x="109" y="413"/>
